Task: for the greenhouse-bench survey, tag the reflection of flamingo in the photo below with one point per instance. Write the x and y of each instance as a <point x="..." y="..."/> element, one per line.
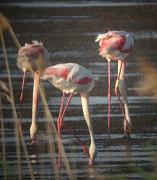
<point x="70" y="78"/>
<point x="117" y="45"/>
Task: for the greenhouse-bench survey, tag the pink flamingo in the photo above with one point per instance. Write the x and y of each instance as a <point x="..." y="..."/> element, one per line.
<point x="117" y="45"/>
<point x="70" y="78"/>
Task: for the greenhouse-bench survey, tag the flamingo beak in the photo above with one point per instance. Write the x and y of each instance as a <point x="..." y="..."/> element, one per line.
<point x="91" y="160"/>
<point x="23" y="83"/>
<point x="34" y="141"/>
<point x="90" y="163"/>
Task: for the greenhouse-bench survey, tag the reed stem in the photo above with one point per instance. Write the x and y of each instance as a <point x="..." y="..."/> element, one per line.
<point x="17" y="129"/>
<point x="13" y="108"/>
<point x="52" y="134"/>
<point x="4" y="162"/>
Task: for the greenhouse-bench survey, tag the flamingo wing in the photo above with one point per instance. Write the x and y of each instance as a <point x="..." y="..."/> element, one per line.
<point x="69" y="77"/>
<point x="57" y="70"/>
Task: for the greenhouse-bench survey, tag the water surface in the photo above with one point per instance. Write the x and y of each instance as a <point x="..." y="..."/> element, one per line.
<point x="68" y="30"/>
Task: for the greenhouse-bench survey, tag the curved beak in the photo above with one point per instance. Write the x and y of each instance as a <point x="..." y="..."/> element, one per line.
<point x="23" y="83"/>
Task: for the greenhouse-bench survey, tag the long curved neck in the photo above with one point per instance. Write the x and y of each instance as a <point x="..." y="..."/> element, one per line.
<point x="123" y="92"/>
<point x="35" y="96"/>
<point x="121" y="70"/>
<point x="85" y="107"/>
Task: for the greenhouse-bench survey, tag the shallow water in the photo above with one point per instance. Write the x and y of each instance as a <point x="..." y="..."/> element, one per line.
<point x="69" y="36"/>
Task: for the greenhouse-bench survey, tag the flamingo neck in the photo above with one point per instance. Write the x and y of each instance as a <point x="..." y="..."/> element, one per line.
<point x="121" y="70"/>
<point x="109" y="95"/>
<point x="35" y="96"/>
<point x="85" y="107"/>
<point x="33" y="128"/>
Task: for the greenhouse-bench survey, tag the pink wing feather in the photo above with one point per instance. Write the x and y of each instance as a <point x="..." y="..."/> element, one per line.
<point x="60" y="72"/>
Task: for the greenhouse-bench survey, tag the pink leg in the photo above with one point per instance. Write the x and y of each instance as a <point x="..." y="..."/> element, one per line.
<point x="65" y="109"/>
<point x="60" y="110"/>
<point x="83" y="145"/>
<point x="22" y="88"/>
<point x="60" y="123"/>
<point x="109" y="96"/>
<point x="59" y="129"/>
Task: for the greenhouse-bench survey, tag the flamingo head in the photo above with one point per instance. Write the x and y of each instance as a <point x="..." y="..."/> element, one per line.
<point x="32" y="57"/>
<point x="104" y="41"/>
<point x="92" y="155"/>
<point x="33" y="133"/>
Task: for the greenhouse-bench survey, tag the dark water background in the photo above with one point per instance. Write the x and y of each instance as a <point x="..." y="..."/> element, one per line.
<point x="68" y="32"/>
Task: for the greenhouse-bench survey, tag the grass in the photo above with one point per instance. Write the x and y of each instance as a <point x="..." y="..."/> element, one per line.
<point x="20" y="142"/>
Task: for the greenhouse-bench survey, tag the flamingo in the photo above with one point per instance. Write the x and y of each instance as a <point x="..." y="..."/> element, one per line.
<point x="117" y="45"/>
<point x="70" y="78"/>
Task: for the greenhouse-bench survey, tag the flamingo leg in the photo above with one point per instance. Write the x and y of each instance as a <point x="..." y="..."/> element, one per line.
<point x="109" y="95"/>
<point x="60" y="123"/>
<point x="65" y="109"/>
<point x="22" y="87"/>
<point x="120" y="83"/>
<point x="59" y="129"/>
<point x="61" y="110"/>
<point x="83" y="145"/>
<point x="85" y="108"/>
